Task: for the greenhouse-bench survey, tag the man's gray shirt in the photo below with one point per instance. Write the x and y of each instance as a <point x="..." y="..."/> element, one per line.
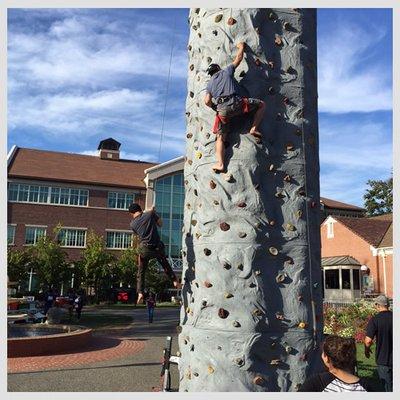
<point x="222" y="83"/>
<point x="145" y="226"/>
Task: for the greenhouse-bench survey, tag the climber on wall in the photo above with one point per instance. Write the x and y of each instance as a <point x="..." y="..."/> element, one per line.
<point x="222" y="95"/>
<point x="144" y="224"/>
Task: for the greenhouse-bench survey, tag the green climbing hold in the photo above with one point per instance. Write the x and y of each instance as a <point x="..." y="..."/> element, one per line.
<point x="218" y="18"/>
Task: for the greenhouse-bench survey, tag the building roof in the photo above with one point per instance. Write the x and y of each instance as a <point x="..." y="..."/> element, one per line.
<point x="328" y="203"/>
<point x="77" y="168"/>
<point x="372" y="230"/>
<point x="339" y="260"/>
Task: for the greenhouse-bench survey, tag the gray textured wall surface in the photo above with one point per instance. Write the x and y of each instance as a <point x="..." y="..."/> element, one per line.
<point x="251" y="317"/>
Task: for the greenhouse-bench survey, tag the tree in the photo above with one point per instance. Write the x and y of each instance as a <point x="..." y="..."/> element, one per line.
<point x="252" y="313"/>
<point x="156" y="281"/>
<point x="49" y="261"/>
<point x="18" y="262"/>
<point x="378" y="198"/>
<point x="126" y="267"/>
<point x="97" y="263"/>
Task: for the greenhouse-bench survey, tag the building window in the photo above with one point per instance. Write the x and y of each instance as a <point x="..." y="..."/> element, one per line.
<point x="332" y="279"/>
<point x="47" y="195"/>
<point x="118" y="240"/>
<point x="330" y="230"/>
<point x="69" y="237"/>
<point x="11" y="234"/>
<point x="120" y="200"/>
<point x="346" y="284"/>
<point x="169" y="200"/>
<point x="356" y="279"/>
<point x="34" y="233"/>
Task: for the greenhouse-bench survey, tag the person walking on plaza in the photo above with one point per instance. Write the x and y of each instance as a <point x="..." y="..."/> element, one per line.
<point x="380" y="329"/>
<point x="339" y="357"/>
<point x="151" y="303"/>
<point x="144" y="225"/>
<point x="223" y="96"/>
<point x="78" y="304"/>
<point x="49" y="300"/>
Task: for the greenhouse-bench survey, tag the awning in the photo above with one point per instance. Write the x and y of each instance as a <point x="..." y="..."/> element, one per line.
<point x="339" y="260"/>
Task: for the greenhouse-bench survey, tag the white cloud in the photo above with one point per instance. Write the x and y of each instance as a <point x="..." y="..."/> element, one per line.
<point x="348" y="79"/>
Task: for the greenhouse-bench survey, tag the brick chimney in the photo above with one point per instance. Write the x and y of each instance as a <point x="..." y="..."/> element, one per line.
<point x="109" y="149"/>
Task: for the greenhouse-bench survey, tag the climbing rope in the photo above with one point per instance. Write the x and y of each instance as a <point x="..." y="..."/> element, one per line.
<point x="167" y="89"/>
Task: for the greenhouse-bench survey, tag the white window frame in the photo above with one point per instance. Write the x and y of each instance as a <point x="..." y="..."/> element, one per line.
<point x="13" y="238"/>
<point x="118" y="231"/>
<point x="119" y="192"/>
<point x="70" y="228"/>
<point x="48" y="200"/>
<point x="35" y="238"/>
<point x="330" y="231"/>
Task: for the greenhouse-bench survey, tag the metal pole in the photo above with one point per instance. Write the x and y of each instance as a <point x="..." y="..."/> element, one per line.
<point x="30" y="280"/>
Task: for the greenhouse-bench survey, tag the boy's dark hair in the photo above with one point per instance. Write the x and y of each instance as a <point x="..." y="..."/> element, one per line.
<point x="341" y="351"/>
<point x="134" y="207"/>
<point x="213" y="69"/>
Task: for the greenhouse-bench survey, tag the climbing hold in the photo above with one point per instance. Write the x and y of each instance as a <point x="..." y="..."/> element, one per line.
<point x="313" y="204"/>
<point x="242" y="204"/>
<point x="228" y="177"/>
<point x="301" y="192"/>
<point x="271" y="64"/>
<point x="187" y="311"/>
<point x="189" y="135"/>
<point x="278" y="116"/>
<point x="271" y="167"/>
<point x="189" y="47"/>
<point x="315" y="284"/>
<point x="228" y="295"/>
<point x="302" y="325"/>
<point x="215" y="33"/>
<point x="288" y="349"/>
<point x="287" y="26"/>
<point x="276" y="361"/>
<point x="186" y="182"/>
<point x="278" y="40"/>
<point x="271" y="90"/>
<point x="218" y="18"/>
<point x="257" y="186"/>
<point x="194" y="222"/>
<point x="257" y="29"/>
<point x="185" y="340"/>
<point x="280" y="278"/>
<point x="286" y="101"/>
<point x="224" y="226"/>
<point x="209" y="59"/>
<point x="242" y="234"/>
<point x="216" y="202"/>
<point x="188" y="205"/>
<point x="257" y="62"/>
<point x="257" y="225"/>
<point x="242" y="74"/>
<point x="204" y="303"/>
<point x="195" y="192"/>
<point x="231" y="21"/>
<point x="197" y="10"/>
<point x="236" y="324"/>
<point x="240" y="267"/>
<point x="298" y="132"/>
<point x="289" y="146"/>
<point x="252" y="285"/>
<point x="300" y="298"/>
<point x="199" y="36"/>
<point x="290" y="70"/>
<point x="279" y="316"/>
<point x="257" y="312"/>
<point x="279" y="194"/>
<point x="196" y="374"/>
<point x="191" y="67"/>
<point x="213" y="185"/>
<point x="273" y="345"/>
<point x="290" y="227"/>
<point x="272" y="222"/>
<point x="207" y="252"/>
<point x="222" y="313"/>
<point x="239" y="361"/>
<point x="198" y="155"/>
<point x="226" y="265"/>
<point x="207" y="135"/>
<point x="207" y="284"/>
<point x="287" y="178"/>
<point x="190" y="162"/>
<point x="188" y="375"/>
<point x="258" y="380"/>
<point x="191" y="94"/>
<point x="210" y="369"/>
<point x="257" y="272"/>
<point x="219" y="347"/>
<point x="196" y="283"/>
<point x="300" y="113"/>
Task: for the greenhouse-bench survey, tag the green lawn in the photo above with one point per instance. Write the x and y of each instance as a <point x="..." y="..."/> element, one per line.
<point x="367" y="367"/>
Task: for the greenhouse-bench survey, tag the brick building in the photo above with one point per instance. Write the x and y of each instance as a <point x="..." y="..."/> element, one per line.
<point x="357" y="249"/>
<point x="78" y="192"/>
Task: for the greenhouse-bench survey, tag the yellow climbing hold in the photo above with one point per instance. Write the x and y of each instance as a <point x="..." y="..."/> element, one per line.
<point x="302" y="325"/>
<point x="198" y="155"/>
<point x="210" y="369"/>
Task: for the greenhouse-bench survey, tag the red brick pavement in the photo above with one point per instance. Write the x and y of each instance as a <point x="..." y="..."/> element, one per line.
<point x="100" y="349"/>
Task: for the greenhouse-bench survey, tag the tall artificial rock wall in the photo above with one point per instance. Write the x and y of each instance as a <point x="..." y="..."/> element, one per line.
<point x="251" y="318"/>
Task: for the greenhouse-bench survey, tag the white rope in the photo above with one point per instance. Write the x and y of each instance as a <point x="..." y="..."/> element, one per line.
<point x="167" y="89"/>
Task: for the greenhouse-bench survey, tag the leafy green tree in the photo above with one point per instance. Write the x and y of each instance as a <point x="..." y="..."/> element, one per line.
<point x="155" y="279"/>
<point x="49" y="261"/>
<point x="18" y="264"/>
<point x="126" y="267"/>
<point x="378" y="198"/>
<point x="97" y="263"/>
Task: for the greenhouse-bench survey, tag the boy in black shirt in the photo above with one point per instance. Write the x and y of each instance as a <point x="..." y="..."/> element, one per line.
<point x="144" y="224"/>
<point x="380" y="328"/>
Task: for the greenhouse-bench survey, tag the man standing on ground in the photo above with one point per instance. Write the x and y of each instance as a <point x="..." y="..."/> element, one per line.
<point x="222" y="95"/>
<point x="380" y="328"/>
<point x="144" y="224"/>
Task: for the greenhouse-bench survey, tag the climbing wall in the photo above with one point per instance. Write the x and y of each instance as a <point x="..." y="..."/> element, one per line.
<point x="252" y="304"/>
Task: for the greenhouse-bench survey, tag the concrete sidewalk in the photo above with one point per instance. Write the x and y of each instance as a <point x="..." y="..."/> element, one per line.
<point x="139" y="372"/>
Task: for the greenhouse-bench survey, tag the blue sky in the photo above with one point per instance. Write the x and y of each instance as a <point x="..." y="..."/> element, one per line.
<point x="77" y="76"/>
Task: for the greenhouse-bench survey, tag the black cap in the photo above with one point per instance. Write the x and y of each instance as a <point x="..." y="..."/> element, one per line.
<point x="134" y="207"/>
<point x="212" y="69"/>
